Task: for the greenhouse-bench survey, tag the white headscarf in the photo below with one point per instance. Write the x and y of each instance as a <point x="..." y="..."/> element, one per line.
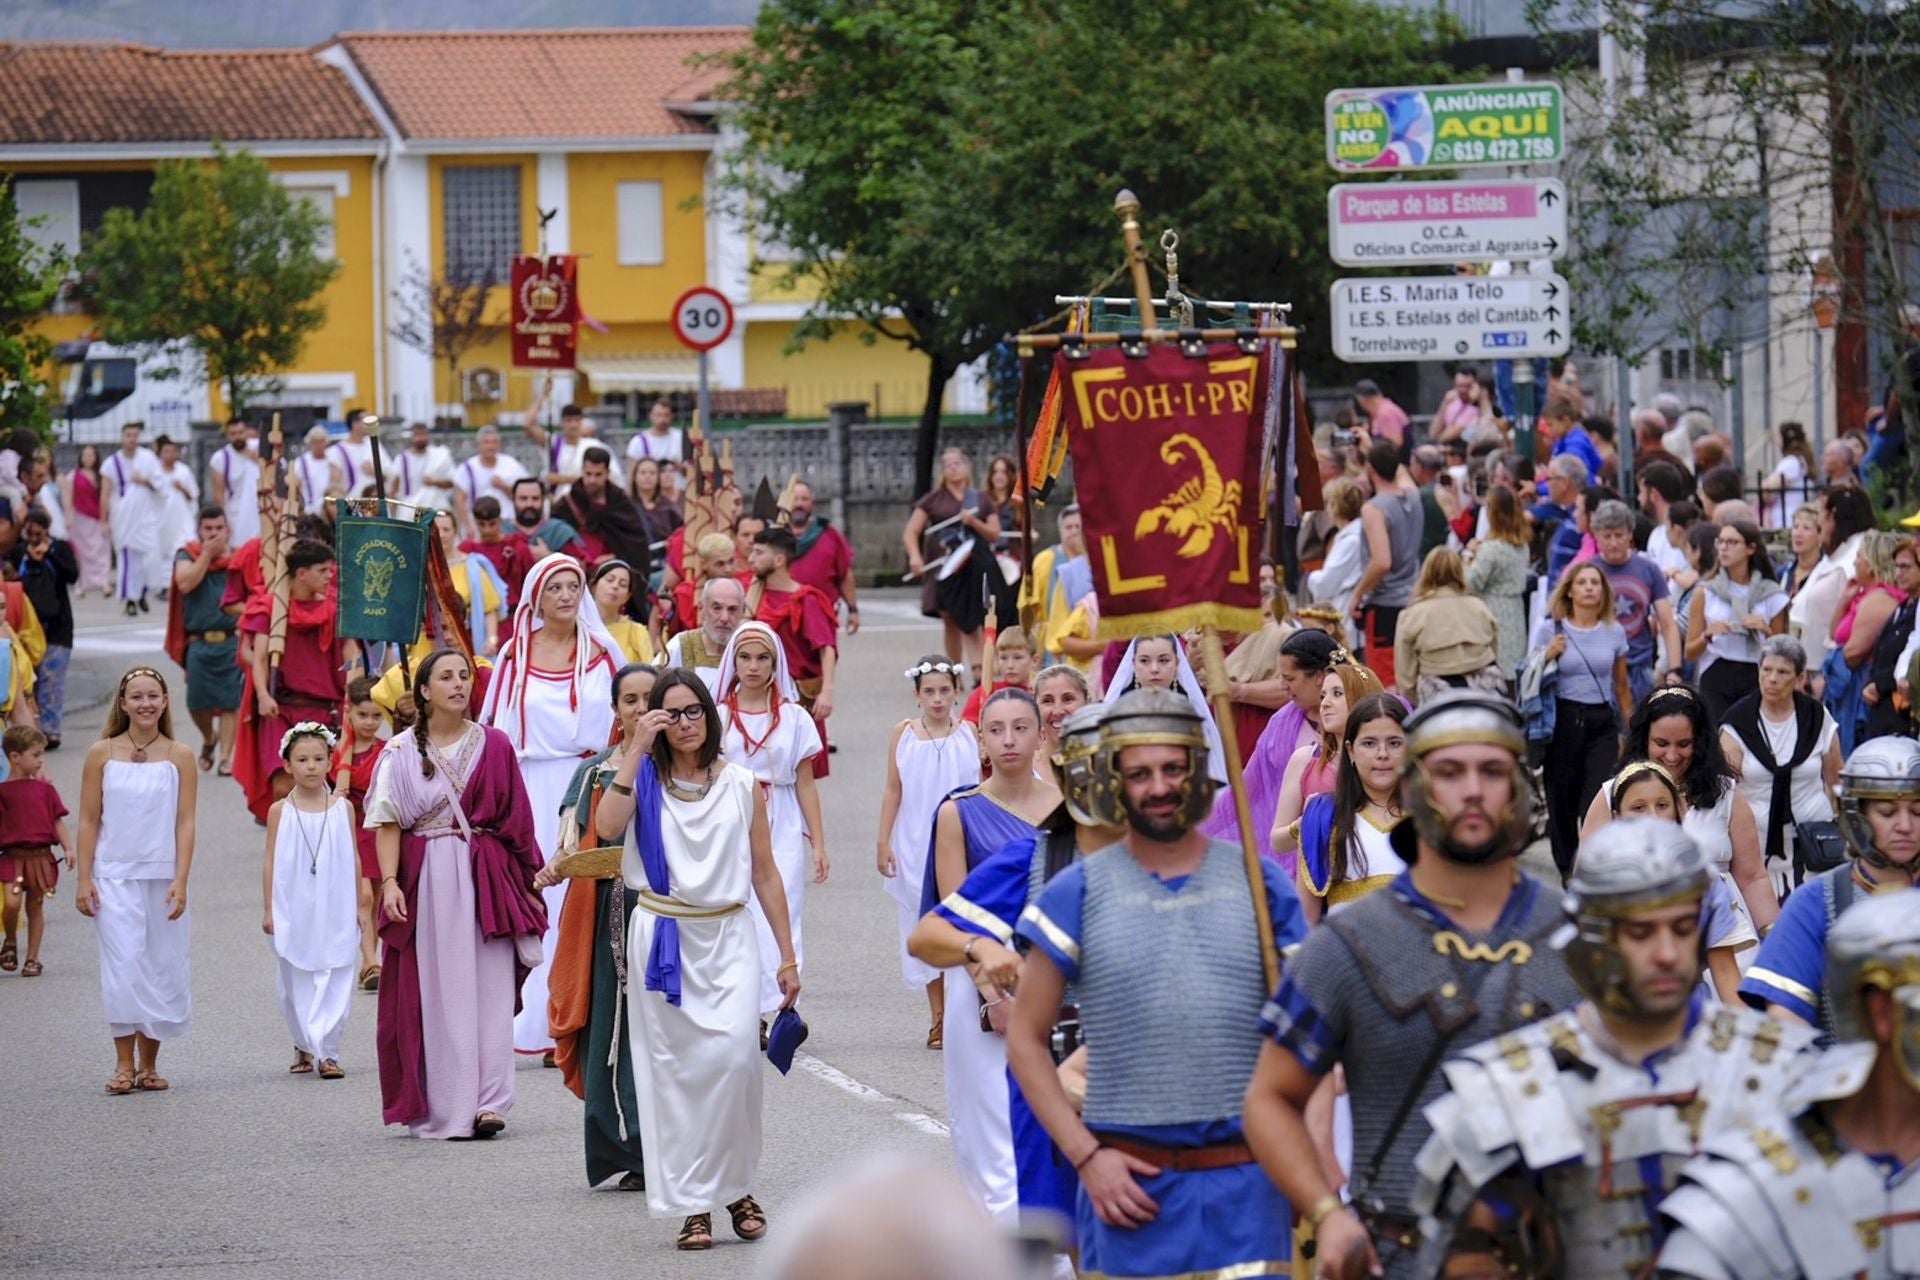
<point x="1189" y="684"/>
<point x="505" y="707"/>
<point x="782" y="677"/>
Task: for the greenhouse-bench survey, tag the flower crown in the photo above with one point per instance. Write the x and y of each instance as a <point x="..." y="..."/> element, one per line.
<point x="307" y="729"/>
<point x="933" y="668"/>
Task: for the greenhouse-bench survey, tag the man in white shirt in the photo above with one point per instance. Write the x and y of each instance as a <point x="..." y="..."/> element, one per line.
<point x="179" y="502"/>
<point x="661" y="441"/>
<point x="355" y="453"/>
<point x="563" y="452"/>
<point x="422" y="474"/>
<point x="723" y="602"/>
<point x="489" y="471"/>
<point x="131" y="480"/>
<point x="233" y="482"/>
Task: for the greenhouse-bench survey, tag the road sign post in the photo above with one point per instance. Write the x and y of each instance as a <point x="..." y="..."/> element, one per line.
<point x="1390" y="224"/>
<point x="702" y="320"/>
<point x="1445" y="126"/>
<point x="1397" y="318"/>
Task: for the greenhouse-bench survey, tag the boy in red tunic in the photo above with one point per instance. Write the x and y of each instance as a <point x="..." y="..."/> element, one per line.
<point x="32" y="823"/>
<point x="310" y="684"/>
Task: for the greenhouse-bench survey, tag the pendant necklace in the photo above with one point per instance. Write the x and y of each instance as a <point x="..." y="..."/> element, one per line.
<point x="689" y="791"/>
<point x="140" y="748"/>
<point x="312" y="846"/>
<point x="939" y="743"/>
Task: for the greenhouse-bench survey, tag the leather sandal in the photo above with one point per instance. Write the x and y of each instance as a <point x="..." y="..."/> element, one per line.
<point x="937" y="1035"/>
<point x="32" y="969"/>
<point x="147" y="1082"/>
<point x="120" y="1083"/>
<point x="696" y="1233"/>
<point x="749" y="1222"/>
<point x="302" y="1063"/>
<point x="331" y="1070"/>
<point x="488" y="1123"/>
<point x="631" y="1182"/>
<point x="370" y="978"/>
<point x="9" y="957"/>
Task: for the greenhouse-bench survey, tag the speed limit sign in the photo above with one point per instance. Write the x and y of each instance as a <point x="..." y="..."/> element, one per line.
<point x="703" y="318"/>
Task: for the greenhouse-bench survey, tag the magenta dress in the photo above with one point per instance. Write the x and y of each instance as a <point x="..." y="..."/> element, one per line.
<point x="89" y="537"/>
<point x="451" y="982"/>
<point x="1266" y="769"/>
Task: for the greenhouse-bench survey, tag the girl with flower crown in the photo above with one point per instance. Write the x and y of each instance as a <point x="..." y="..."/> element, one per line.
<point x="312" y="890"/>
<point x="930" y="757"/>
<point x="767" y="731"/>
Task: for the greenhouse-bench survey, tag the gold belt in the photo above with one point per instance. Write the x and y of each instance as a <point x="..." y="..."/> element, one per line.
<point x="210" y="637"/>
<point x="674" y="909"/>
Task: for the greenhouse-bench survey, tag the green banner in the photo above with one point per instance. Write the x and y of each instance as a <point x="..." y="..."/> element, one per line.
<point x="1445" y="126"/>
<point x="383" y="576"/>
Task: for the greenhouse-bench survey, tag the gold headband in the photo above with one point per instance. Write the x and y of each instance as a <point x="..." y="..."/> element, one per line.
<point x="1636" y="771"/>
<point x="1673" y="691"/>
<point x="142" y="671"/>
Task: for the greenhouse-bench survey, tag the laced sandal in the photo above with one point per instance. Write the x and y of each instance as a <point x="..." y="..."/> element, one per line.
<point x="696" y="1233"/>
<point x="147" y="1082"/>
<point x="120" y="1083"/>
<point x="206" y="758"/>
<point x="331" y="1070"/>
<point x="937" y="1035"/>
<point x="9" y="957"/>
<point x="749" y="1221"/>
<point x="370" y="978"/>
<point x="302" y="1063"/>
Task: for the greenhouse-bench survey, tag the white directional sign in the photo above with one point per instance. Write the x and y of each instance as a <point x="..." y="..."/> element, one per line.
<point x="1450" y="318"/>
<point x="1380" y="224"/>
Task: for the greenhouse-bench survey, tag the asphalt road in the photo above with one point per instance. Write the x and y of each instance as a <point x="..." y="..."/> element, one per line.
<point x="244" y="1170"/>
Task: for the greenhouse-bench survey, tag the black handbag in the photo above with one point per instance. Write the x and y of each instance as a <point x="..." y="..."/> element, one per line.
<point x="1818" y="846"/>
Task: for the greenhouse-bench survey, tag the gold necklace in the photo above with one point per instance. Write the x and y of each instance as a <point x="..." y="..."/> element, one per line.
<point x="689" y="791"/>
<point x="1457" y="904"/>
<point x="140" y="748"/>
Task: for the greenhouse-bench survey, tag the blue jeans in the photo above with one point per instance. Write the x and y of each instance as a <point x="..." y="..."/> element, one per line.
<point x="50" y="687"/>
<point x="1640" y="677"/>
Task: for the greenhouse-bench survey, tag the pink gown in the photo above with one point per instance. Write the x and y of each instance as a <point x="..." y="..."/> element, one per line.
<point x="453" y="968"/>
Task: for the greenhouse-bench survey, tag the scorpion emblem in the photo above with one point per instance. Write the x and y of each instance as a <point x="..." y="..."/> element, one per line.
<point x="1194" y="509"/>
<point x="379" y="578"/>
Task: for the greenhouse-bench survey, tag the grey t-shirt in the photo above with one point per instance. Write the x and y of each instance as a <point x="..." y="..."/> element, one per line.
<point x="1586" y="666"/>
<point x="1406" y="522"/>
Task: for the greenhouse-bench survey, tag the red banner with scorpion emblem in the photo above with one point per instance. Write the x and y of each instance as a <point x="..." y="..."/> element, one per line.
<point x="1166" y="461"/>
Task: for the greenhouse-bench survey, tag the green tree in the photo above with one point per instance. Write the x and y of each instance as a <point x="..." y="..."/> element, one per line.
<point x="30" y="280"/>
<point x="223" y="261"/>
<point x="942" y="168"/>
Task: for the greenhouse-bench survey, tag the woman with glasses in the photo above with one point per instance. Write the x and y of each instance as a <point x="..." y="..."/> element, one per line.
<point x="1731" y="613"/>
<point x="1346" y="836"/>
<point x="695" y="832"/>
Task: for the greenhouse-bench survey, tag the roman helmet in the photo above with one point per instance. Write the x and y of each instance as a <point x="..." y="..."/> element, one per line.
<point x="1627" y="868"/>
<point x="1875" y="946"/>
<point x="1092" y="799"/>
<point x="1158" y="717"/>
<point x="1454" y="717"/>
<point x="1878" y="769"/>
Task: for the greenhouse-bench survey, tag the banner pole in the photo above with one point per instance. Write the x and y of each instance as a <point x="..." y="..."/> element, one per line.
<point x="1212" y="655"/>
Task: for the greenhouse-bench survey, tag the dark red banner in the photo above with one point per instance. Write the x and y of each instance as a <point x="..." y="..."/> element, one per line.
<point x="546" y="311"/>
<point x="1166" y="462"/>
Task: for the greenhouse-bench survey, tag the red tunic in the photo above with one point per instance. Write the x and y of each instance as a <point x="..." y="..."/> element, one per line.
<point x="825" y="564"/>
<point x="359" y="782"/>
<point x="512" y="556"/>
<point x="310" y="685"/>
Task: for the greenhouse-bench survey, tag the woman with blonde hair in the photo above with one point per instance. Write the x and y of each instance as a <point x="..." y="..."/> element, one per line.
<point x="1592" y="699"/>
<point x="1883" y="583"/>
<point x="1499" y="572"/>
<point x="1447" y="639"/>
<point x="1334" y="581"/>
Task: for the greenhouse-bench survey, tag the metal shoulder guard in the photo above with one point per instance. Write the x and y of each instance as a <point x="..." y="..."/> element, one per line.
<point x="1761" y="1203"/>
<point x="1503" y="1108"/>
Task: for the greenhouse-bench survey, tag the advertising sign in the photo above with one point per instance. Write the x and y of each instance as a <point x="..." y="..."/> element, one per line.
<point x="1445" y="126"/>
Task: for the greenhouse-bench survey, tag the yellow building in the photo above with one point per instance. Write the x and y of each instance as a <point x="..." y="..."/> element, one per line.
<point x="438" y="155"/>
<point x="82" y="127"/>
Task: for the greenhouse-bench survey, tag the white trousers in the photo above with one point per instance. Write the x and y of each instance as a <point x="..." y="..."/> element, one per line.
<point x="315" y="1004"/>
<point x="146" y="972"/>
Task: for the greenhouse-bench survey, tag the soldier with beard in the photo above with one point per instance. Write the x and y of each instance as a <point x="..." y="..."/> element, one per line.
<point x="1158" y="937"/>
<point x="1455" y="951"/>
<point x="1556" y="1144"/>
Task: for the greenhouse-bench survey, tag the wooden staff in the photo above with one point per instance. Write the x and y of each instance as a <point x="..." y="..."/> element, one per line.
<point x="1212" y="656"/>
<point x="278" y="576"/>
<point x="1024" y="490"/>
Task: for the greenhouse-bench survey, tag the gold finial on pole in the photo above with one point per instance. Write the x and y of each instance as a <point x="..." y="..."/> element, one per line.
<point x="1126" y="207"/>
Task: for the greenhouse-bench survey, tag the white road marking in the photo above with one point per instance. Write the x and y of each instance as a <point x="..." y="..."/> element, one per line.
<point x="867" y="1093"/>
<point x="120" y="639"/>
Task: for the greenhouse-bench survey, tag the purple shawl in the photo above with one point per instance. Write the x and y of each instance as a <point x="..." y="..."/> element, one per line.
<point x="663" y="956"/>
<point x="505" y="858"/>
<point x="1266" y="769"/>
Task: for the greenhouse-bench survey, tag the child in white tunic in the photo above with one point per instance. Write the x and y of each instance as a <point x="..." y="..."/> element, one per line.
<point x="768" y="733"/>
<point x="137" y="795"/>
<point x="932" y="756"/>
<point x="312" y="900"/>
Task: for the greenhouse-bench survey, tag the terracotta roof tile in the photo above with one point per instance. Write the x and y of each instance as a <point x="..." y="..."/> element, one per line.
<point x="578" y="84"/>
<point x="67" y="92"/>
